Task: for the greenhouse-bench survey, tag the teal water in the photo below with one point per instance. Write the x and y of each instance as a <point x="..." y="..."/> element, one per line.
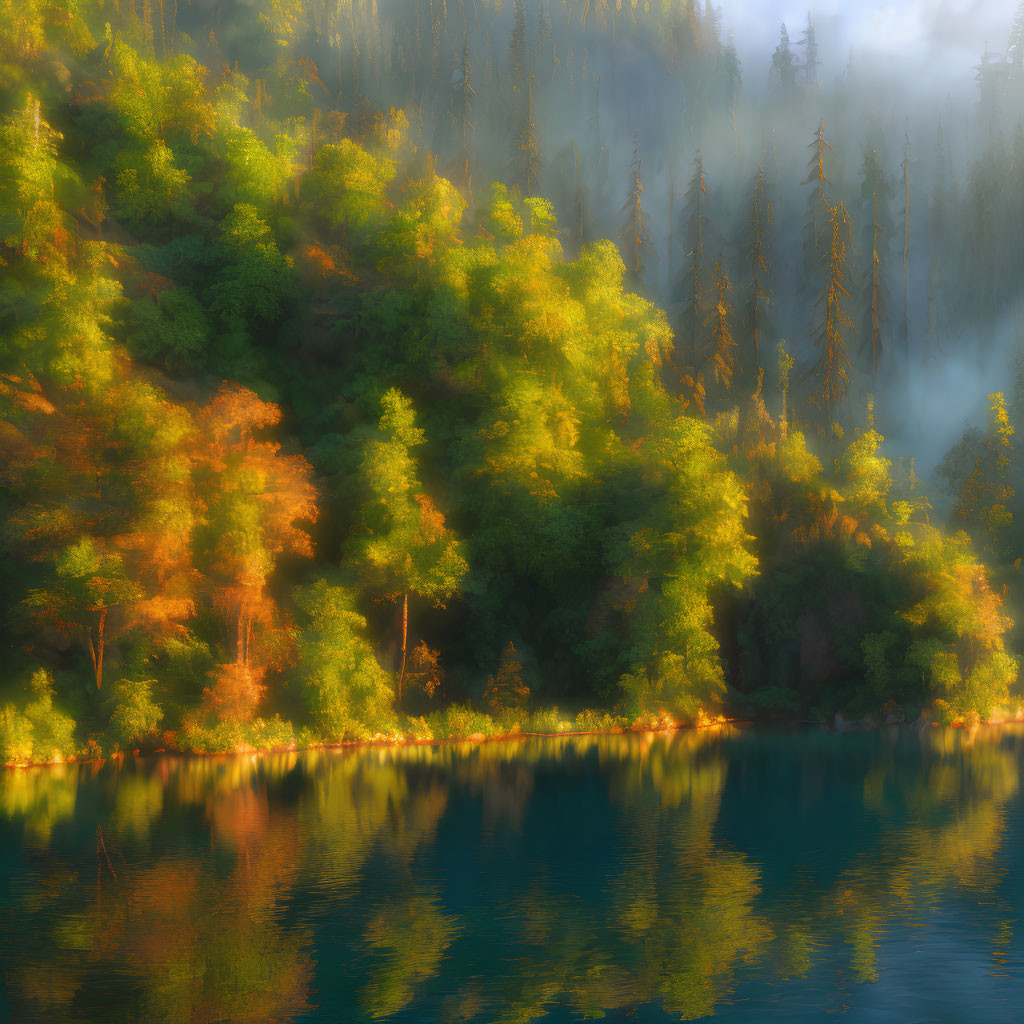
<point x="735" y="875"/>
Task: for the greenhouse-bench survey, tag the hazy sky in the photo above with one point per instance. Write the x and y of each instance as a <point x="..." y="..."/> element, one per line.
<point x="938" y="38"/>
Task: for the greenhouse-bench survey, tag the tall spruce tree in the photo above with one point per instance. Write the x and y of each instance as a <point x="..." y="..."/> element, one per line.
<point x="758" y="251"/>
<point x="874" y="236"/>
<point x="636" y="237"/>
<point x="833" y="325"/>
<point x="693" y="284"/>
<point x="526" y="155"/>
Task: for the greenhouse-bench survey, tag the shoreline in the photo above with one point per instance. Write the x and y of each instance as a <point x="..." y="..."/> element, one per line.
<point x="843" y="726"/>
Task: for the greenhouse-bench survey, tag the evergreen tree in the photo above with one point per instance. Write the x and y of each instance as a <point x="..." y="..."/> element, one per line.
<point x="875" y="193"/>
<point x="636" y="238"/>
<point x="461" y="109"/>
<point x="905" y="323"/>
<point x="692" y="283"/>
<point x="834" y="324"/>
<point x="939" y="243"/>
<point x="758" y="249"/>
<point x="516" y="49"/>
<point x="784" y="68"/>
<point x="811" y="62"/>
<point x="721" y="342"/>
<point x="527" y="164"/>
<point x="818" y="218"/>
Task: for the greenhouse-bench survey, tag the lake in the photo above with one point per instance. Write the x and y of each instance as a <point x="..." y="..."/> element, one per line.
<point x="740" y="875"/>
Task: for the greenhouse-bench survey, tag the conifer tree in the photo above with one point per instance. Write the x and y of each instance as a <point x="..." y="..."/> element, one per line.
<point x="811" y="62"/>
<point x="818" y="207"/>
<point x="636" y="238"/>
<point x="875" y="191"/>
<point x="721" y="342"/>
<point x="516" y="49"/>
<point x="759" y="294"/>
<point x="461" y="109"/>
<point x="527" y="160"/>
<point x="784" y="68"/>
<point x="693" y="285"/>
<point x="905" y="324"/>
<point x="938" y="233"/>
<point x="834" y="325"/>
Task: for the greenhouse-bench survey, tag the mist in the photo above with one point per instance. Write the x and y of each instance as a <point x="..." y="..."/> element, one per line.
<point x="938" y="91"/>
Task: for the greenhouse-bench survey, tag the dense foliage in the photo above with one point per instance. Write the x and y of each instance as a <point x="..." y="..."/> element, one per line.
<point x="302" y="440"/>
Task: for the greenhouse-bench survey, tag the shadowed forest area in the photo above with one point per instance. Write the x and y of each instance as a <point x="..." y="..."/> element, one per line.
<point x="423" y="367"/>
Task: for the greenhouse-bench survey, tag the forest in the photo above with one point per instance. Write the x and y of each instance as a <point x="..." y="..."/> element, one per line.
<point x="442" y="368"/>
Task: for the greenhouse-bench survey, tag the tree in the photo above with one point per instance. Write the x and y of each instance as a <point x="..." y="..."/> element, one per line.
<point x="102" y="501"/>
<point x="977" y="472"/>
<point x="689" y="538"/>
<point x="719" y="329"/>
<point x="526" y="159"/>
<point x="759" y="296"/>
<point x="256" y="502"/>
<point x="505" y="690"/>
<point x="349" y="695"/>
<point x="461" y="109"/>
<point x="402" y="542"/>
<point x="811" y="62"/>
<point x="516" y="49"/>
<point x="877" y="191"/>
<point x="905" y="323"/>
<point x="818" y="206"/>
<point x="784" y="68"/>
<point x="636" y="238"/>
<point x="834" y="324"/>
<point x="693" y="285"/>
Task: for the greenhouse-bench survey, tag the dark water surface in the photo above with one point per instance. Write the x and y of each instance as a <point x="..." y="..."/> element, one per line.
<point x="741" y="875"/>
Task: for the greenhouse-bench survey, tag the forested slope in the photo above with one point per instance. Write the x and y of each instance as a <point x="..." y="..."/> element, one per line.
<point x="303" y="439"/>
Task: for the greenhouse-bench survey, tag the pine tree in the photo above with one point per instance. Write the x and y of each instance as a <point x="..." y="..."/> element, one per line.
<point x="876" y="191"/>
<point x="461" y="109"/>
<point x="818" y="206"/>
<point x="905" y="324"/>
<point x="693" y="286"/>
<point x="721" y="342"/>
<point x="1015" y="53"/>
<point x="811" y="62"/>
<point x="516" y="48"/>
<point x="526" y="156"/>
<point x="759" y="294"/>
<point x="784" y="68"/>
<point x="833" y="329"/>
<point x="636" y="238"/>
<point x="939" y="241"/>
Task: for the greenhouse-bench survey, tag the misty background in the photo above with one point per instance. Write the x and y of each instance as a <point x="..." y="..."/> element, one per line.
<point x="935" y="90"/>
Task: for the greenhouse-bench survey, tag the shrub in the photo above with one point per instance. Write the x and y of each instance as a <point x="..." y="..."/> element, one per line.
<point x="135" y="715"/>
<point x="15" y="737"/>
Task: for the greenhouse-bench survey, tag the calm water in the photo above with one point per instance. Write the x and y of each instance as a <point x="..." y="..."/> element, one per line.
<point x="746" y="876"/>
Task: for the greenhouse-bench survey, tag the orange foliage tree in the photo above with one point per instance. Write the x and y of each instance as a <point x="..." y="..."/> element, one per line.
<point x="254" y="498"/>
<point x="106" y="505"/>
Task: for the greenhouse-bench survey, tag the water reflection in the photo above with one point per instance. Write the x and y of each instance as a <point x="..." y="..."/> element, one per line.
<point x="679" y="876"/>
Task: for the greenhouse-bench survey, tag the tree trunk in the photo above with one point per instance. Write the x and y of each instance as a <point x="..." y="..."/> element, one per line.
<point x="405" y="633"/>
<point x="96" y="650"/>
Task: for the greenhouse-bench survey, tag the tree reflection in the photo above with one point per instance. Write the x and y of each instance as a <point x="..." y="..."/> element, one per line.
<point x="494" y="882"/>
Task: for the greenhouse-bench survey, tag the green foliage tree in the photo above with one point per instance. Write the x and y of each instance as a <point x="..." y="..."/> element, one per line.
<point x="349" y="695"/>
<point x="403" y="543"/>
